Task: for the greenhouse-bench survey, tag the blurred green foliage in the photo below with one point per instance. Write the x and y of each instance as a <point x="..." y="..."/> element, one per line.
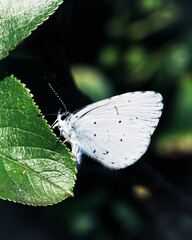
<point x="92" y="82"/>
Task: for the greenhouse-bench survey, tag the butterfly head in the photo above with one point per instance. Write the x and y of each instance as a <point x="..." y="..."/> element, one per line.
<point x="61" y="117"/>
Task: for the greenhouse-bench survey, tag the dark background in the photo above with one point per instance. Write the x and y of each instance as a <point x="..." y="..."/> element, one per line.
<point x="91" y="50"/>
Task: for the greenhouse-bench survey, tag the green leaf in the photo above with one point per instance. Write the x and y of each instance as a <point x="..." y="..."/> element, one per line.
<point x="34" y="168"/>
<point x="18" y="18"/>
<point x="92" y="82"/>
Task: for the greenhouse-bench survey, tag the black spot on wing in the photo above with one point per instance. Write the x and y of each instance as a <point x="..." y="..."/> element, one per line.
<point x="105" y="153"/>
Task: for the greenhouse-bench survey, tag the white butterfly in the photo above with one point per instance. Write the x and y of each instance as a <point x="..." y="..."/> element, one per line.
<point x="115" y="131"/>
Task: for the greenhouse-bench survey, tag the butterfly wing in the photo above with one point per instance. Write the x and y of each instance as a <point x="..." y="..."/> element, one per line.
<point x="117" y="131"/>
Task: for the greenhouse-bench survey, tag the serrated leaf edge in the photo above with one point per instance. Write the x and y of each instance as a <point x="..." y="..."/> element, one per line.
<point x="69" y="194"/>
<point x="41" y="22"/>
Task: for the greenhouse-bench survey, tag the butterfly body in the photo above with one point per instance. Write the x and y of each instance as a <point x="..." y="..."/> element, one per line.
<point x="114" y="131"/>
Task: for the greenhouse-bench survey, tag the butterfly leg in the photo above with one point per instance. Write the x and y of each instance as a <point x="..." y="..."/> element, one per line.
<point x="78" y="154"/>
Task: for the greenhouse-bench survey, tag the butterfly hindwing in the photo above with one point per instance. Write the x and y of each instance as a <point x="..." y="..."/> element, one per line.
<point x="117" y="131"/>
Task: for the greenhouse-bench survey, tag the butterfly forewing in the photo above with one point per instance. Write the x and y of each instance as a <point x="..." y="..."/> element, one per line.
<point x="117" y="131"/>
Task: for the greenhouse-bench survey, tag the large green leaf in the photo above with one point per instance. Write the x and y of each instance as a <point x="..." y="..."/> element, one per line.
<point x="34" y="168"/>
<point x="19" y="17"/>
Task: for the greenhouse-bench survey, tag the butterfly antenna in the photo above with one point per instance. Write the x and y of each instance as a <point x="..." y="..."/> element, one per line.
<point x="56" y="94"/>
<point x="47" y="114"/>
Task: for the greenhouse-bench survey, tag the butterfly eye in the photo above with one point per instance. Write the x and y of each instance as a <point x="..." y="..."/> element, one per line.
<point x="63" y="117"/>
